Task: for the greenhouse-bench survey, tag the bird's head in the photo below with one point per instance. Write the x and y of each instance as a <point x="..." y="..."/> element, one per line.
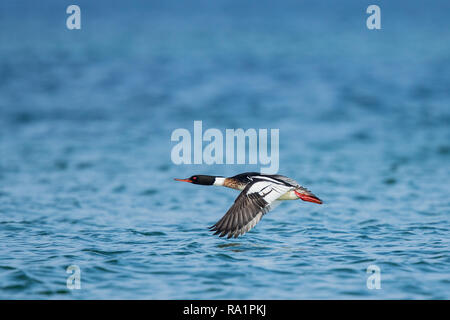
<point x="200" y="179"/>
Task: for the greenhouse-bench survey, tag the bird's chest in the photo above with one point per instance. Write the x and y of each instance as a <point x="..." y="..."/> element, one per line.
<point x="234" y="184"/>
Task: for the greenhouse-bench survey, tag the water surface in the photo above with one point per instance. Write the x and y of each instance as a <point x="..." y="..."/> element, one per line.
<point x="85" y="171"/>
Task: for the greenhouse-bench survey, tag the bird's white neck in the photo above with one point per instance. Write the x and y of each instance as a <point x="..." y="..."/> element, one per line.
<point x="219" y="181"/>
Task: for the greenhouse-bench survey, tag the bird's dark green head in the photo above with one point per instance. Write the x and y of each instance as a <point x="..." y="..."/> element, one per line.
<point x="200" y="179"/>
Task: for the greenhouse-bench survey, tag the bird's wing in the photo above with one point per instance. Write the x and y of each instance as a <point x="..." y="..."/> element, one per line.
<point x="292" y="182"/>
<point x="287" y="180"/>
<point x="278" y="179"/>
<point x="253" y="202"/>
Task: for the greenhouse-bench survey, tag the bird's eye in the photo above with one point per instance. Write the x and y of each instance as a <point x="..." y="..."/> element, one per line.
<point x="194" y="178"/>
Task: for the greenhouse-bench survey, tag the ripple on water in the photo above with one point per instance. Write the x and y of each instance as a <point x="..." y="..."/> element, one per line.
<point x="228" y="245"/>
<point x="343" y="272"/>
<point x="149" y="192"/>
<point x="19" y="281"/>
<point x="221" y="257"/>
<point x="105" y="252"/>
<point x="148" y="233"/>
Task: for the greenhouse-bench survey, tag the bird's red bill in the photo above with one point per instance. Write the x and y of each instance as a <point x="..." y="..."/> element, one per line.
<point x="309" y="198"/>
<point x="183" y="180"/>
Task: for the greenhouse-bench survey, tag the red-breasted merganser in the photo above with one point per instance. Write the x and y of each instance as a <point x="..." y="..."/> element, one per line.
<point x="260" y="193"/>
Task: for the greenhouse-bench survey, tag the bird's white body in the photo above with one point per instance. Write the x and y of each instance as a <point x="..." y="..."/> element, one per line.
<point x="290" y="195"/>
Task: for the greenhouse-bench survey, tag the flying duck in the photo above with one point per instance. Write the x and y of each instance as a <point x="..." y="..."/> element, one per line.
<point x="259" y="194"/>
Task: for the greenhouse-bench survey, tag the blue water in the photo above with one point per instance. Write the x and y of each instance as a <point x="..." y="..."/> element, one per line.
<point x="86" y="176"/>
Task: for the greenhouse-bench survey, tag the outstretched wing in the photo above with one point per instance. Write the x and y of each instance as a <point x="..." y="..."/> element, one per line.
<point x="286" y="180"/>
<point x="291" y="182"/>
<point x="253" y="202"/>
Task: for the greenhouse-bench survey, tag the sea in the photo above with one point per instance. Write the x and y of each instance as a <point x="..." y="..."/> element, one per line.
<point x="89" y="208"/>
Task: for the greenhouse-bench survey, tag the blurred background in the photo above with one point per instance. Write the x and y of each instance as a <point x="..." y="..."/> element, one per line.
<point x="86" y="176"/>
